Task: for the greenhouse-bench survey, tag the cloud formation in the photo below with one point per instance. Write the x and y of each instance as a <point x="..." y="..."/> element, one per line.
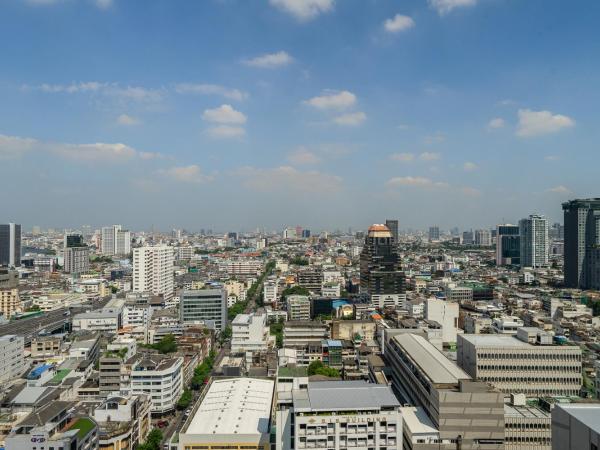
<point x="210" y="89"/>
<point x="398" y="23"/>
<point x="351" y="119"/>
<point x="270" y="60"/>
<point x="430" y="156"/>
<point x="304" y="10"/>
<point x="538" y="123"/>
<point x="303" y="156"/>
<point x="444" y="7"/>
<point x="224" y="114"/>
<point x="127" y="120"/>
<point x="332" y="100"/>
<point x="402" y="157"/>
<point x="186" y="174"/>
<point x="496" y="123"/>
<point x="469" y="166"/>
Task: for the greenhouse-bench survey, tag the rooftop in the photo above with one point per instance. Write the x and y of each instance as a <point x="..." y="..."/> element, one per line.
<point x="292" y="371"/>
<point x="234" y="406"/>
<point x="432" y="362"/>
<point x="416" y="420"/>
<point x="588" y="414"/>
<point x="343" y="395"/>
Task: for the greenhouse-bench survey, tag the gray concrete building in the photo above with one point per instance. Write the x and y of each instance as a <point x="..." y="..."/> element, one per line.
<point x="208" y="306"/>
<point x="576" y="427"/>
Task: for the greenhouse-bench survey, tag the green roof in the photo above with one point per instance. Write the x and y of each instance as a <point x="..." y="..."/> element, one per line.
<point x="61" y="374"/>
<point x="288" y="372"/>
<point x="84" y="425"/>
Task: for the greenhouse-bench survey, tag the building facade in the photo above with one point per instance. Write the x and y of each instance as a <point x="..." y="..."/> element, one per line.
<point x="533" y="232"/>
<point x="115" y="241"/>
<point x="10" y="244"/>
<point x="208" y="306"/>
<point x="153" y="270"/>
<point x="508" y="245"/>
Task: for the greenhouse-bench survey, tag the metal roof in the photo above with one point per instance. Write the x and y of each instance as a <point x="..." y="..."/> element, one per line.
<point x="343" y="395"/>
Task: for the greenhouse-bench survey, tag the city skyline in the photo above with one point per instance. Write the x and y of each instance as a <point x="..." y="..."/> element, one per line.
<point x="229" y="114"/>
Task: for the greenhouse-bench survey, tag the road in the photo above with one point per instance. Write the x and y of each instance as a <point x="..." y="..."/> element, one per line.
<point x="50" y="321"/>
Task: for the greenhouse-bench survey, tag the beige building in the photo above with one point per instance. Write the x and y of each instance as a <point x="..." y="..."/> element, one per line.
<point x="514" y="365"/>
<point x="10" y="303"/>
<point x="298" y="307"/>
<point x="349" y="329"/>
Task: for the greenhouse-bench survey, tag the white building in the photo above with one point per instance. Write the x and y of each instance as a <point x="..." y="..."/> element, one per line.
<point x="533" y="233"/>
<point x="244" y="267"/>
<point x="12" y="364"/>
<point x="298" y="307"/>
<point x="483" y="238"/>
<point x="159" y="378"/>
<point x="446" y="314"/>
<point x="76" y="260"/>
<point x="506" y="325"/>
<point x="249" y="333"/>
<point x="153" y="270"/>
<point x="271" y="292"/>
<point x="115" y="241"/>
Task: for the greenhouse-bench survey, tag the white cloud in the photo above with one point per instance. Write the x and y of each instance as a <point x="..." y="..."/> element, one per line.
<point x="434" y="139"/>
<point x="420" y="182"/>
<point x="104" y="4"/>
<point x="98" y="152"/>
<point x="398" y="23"/>
<point x="127" y="120"/>
<point x="302" y="156"/>
<point x="445" y="6"/>
<point x="270" y="60"/>
<point x="560" y="189"/>
<point x="551" y="158"/>
<point x="496" y="123"/>
<point x="210" y="89"/>
<point x="304" y="10"/>
<point x="224" y="114"/>
<point x="469" y="166"/>
<point x="333" y="100"/>
<point x="150" y="155"/>
<point x="131" y="93"/>
<point x="226" y="131"/>
<point x="351" y="119"/>
<point x="186" y="174"/>
<point x="14" y="146"/>
<point x="430" y="156"/>
<point x="287" y="178"/>
<point x="537" y="123"/>
<point x="402" y="157"/>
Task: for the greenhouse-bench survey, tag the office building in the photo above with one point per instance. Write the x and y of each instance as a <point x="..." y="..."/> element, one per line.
<point x="76" y="254"/>
<point x="249" y="333"/>
<point x="235" y="414"/>
<point x="576" y="427"/>
<point x="468" y="238"/>
<point x="533" y="232"/>
<point x="466" y="414"/>
<point x="434" y="234"/>
<point x="298" y="307"/>
<point x="153" y="270"/>
<point x="380" y="271"/>
<point x="527" y="363"/>
<point x="159" y="377"/>
<point x="483" y="238"/>
<point x="12" y="364"/>
<point x="508" y="245"/>
<point x="337" y="415"/>
<point x="10" y="245"/>
<point x="392" y="225"/>
<point x="115" y="241"/>
<point x="582" y="243"/>
<point x="204" y="306"/>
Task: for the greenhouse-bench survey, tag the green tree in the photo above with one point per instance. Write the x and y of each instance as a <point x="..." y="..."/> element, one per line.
<point x="299" y="261"/>
<point x="294" y="290"/>
<point x="185" y="400"/>
<point x="318" y="368"/>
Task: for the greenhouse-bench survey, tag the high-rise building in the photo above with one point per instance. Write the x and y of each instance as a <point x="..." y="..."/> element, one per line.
<point x="12" y="364"/>
<point x="208" y="306"/>
<point x="582" y="243"/>
<point x="380" y="271"/>
<point x="115" y="241"/>
<point x="76" y="254"/>
<point x="10" y="244"/>
<point x="153" y="270"/>
<point x="533" y="232"/>
<point x="434" y="234"/>
<point x="508" y="245"/>
<point x="483" y="238"/>
<point x="392" y="224"/>
<point x="468" y="238"/>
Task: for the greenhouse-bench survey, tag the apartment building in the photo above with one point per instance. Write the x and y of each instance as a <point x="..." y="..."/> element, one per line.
<point x="514" y="365"/>
<point x="124" y="422"/>
<point x="12" y="364"/>
<point x="153" y="270"/>
<point x="244" y="267"/>
<point x="10" y="302"/>
<point x="301" y="333"/>
<point x="338" y="415"/>
<point x="158" y="377"/>
<point x="462" y="411"/>
<point x="249" y="333"/>
<point x="298" y="307"/>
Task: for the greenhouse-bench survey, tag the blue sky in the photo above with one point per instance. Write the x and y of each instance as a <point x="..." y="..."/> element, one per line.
<point x="237" y="114"/>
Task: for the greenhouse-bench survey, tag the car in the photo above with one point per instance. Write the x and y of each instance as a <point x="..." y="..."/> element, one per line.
<point x="162" y="423"/>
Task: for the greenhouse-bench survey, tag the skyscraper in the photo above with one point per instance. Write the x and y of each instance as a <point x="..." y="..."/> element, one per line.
<point x="533" y="233"/>
<point x="582" y="243"/>
<point x="483" y="238"/>
<point x="380" y="271"/>
<point x="76" y="254"/>
<point x="153" y="270"/>
<point x="392" y="224"/>
<point x="508" y="245"/>
<point x="10" y="244"/>
<point x="434" y="233"/>
<point x="115" y="241"/>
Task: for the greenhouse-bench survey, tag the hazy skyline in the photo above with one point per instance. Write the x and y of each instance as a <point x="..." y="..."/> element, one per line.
<point x="237" y="114"/>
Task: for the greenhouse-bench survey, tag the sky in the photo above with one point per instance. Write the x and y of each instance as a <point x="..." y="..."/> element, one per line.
<point x="238" y="114"/>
